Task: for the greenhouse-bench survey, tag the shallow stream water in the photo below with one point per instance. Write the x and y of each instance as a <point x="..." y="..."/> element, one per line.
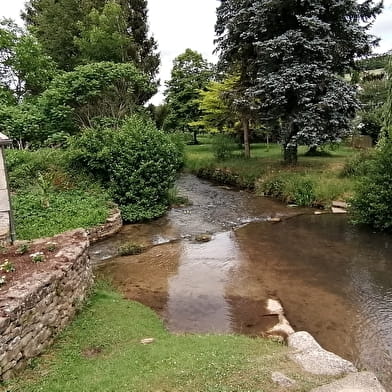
<point x="334" y="281"/>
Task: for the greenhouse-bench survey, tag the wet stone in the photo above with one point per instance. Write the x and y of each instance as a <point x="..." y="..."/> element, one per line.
<point x="314" y="359"/>
<point x="359" y="382"/>
<point x="203" y="238"/>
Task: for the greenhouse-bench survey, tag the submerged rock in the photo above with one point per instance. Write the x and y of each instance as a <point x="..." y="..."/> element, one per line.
<point x="358" y="382"/>
<point x="203" y="238"/>
<point x="314" y="359"/>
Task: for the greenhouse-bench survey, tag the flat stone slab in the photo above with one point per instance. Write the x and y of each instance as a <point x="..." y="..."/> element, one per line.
<point x="357" y="382"/>
<point x="340" y="204"/>
<point x="314" y="359"/>
<point x="337" y="210"/>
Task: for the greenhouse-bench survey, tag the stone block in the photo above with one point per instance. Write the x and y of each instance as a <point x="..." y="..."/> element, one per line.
<point x="359" y="382"/>
<point x="314" y="359"/>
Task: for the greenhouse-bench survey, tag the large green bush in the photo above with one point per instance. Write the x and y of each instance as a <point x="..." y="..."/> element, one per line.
<point x="372" y="204"/>
<point x="137" y="163"/>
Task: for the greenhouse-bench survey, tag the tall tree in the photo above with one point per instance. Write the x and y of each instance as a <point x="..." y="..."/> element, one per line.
<point x="388" y="103"/>
<point x="104" y="36"/>
<point x="190" y="74"/>
<point x="148" y="58"/>
<point x="289" y="54"/>
<point x="55" y="24"/>
<point x="24" y="67"/>
<point x="65" y="28"/>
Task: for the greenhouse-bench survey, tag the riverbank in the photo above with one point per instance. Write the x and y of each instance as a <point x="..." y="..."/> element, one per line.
<point x="315" y="181"/>
<point x="325" y="272"/>
<point x="219" y="286"/>
<point x="114" y="358"/>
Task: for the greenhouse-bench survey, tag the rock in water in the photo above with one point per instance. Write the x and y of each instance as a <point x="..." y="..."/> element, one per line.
<point x="340" y="204"/>
<point x="358" y="382"/>
<point x="314" y="359"/>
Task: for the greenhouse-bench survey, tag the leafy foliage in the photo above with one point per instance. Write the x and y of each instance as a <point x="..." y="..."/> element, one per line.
<point x="137" y="163"/>
<point x="49" y="198"/>
<point x="388" y="103"/>
<point x="216" y="106"/>
<point x="373" y="95"/>
<point x="75" y="31"/>
<point x="104" y="36"/>
<point x="372" y="204"/>
<point x="24" y="67"/>
<point x="106" y="89"/>
<point x="289" y="55"/>
<point x="223" y="147"/>
<point x="66" y="210"/>
<point x="91" y="93"/>
<point x="190" y="74"/>
<point x="375" y="61"/>
<point x="23" y="123"/>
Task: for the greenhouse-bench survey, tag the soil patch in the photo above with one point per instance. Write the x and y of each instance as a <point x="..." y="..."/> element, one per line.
<point x="21" y="255"/>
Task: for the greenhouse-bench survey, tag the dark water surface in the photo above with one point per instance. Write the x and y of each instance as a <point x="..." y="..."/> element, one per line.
<point x="334" y="281"/>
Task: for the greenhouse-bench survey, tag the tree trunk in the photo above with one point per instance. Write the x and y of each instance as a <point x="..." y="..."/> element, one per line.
<point x="312" y="151"/>
<point x="291" y="155"/>
<point x="195" y="141"/>
<point x="245" y="127"/>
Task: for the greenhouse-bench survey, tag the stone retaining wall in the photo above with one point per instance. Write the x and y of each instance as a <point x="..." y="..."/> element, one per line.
<point x="34" y="310"/>
<point x="112" y="225"/>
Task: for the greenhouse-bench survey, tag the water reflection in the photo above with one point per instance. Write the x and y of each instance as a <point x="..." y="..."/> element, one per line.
<point x="334" y="281"/>
<point x="196" y="297"/>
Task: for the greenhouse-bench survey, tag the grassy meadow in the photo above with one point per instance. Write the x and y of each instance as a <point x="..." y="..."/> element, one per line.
<point x="315" y="181"/>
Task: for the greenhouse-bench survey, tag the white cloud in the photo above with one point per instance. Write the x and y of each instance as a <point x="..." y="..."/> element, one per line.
<point x="181" y="24"/>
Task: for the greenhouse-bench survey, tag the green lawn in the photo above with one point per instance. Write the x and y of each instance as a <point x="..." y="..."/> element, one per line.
<point x="323" y="177"/>
<point x="101" y="352"/>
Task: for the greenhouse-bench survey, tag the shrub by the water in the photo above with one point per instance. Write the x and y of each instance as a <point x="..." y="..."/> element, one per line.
<point x="372" y="204"/>
<point x="359" y="165"/>
<point x="137" y="163"/>
<point x="223" y="147"/>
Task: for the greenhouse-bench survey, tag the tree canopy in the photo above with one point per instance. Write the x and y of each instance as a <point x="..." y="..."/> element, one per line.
<point x="216" y="106"/>
<point x="24" y="67"/>
<point x="75" y="32"/>
<point x="289" y="55"/>
<point x="190" y="74"/>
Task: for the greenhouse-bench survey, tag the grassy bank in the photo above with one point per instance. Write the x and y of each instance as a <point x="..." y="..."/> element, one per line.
<point x="314" y="181"/>
<point x="49" y="197"/>
<point x="111" y="358"/>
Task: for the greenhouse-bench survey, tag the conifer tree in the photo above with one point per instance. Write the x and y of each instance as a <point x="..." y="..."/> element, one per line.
<point x="291" y="56"/>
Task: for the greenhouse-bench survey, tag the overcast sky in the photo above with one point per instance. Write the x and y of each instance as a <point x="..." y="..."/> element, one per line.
<point x="181" y="24"/>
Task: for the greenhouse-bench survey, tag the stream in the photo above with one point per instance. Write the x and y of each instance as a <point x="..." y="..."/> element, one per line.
<point x="334" y="280"/>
